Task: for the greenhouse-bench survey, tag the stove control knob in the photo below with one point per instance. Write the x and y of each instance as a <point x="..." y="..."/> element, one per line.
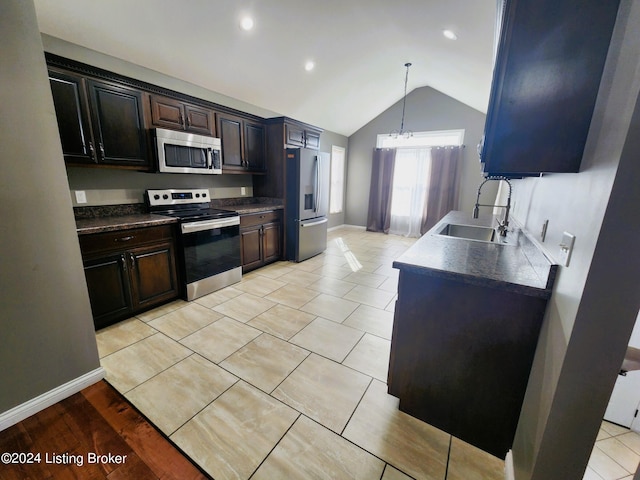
<point x="156" y="197"/>
<point x="197" y="195"/>
<point x="165" y="196"/>
<point x="204" y="195"/>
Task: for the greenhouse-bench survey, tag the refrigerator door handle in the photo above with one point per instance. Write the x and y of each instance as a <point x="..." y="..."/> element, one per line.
<point x="313" y="224"/>
<point x="317" y="187"/>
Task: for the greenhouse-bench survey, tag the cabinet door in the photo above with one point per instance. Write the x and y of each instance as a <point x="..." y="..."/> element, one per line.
<point x="108" y="285"/>
<point x="199" y="120"/>
<point x="294" y="136"/>
<point x="118" y="126"/>
<point x="251" y="239"/>
<point x="153" y="274"/>
<point x="542" y="99"/>
<point x="254" y="141"/>
<point x="69" y="99"/>
<point x="271" y="242"/>
<point x="166" y="112"/>
<point x="312" y="140"/>
<point x="230" y="132"/>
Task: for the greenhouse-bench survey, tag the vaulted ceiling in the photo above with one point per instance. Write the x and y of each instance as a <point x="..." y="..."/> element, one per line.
<point x="359" y="48"/>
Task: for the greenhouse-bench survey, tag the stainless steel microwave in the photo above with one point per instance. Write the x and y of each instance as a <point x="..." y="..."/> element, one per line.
<point x="181" y="152"/>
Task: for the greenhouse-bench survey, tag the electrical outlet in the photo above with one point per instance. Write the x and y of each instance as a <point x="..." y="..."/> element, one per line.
<point x="243" y="190"/>
<point x="81" y="196"/>
<point x="566" y="247"/>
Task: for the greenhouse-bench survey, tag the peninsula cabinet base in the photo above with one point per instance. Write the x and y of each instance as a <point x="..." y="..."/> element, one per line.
<point x="461" y="356"/>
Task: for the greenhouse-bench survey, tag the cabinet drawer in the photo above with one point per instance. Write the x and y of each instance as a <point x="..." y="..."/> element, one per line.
<point x="123" y="239"/>
<point x="259" y="218"/>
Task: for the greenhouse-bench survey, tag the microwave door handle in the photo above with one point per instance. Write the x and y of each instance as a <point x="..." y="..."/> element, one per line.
<point x="209" y="158"/>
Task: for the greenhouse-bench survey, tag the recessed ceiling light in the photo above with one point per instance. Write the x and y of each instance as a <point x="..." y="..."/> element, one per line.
<point x="246" y="23"/>
<point x="450" y="34"/>
<point x="309" y="66"/>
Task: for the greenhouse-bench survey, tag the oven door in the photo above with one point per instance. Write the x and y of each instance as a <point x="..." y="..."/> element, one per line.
<point x="210" y="248"/>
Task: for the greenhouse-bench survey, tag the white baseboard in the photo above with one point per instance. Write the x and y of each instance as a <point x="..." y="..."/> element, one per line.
<point x="509" y="472"/>
<point x="19" y="413"/>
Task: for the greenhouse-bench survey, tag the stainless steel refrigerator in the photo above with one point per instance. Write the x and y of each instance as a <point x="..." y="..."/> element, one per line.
<point x="306" y="203"/>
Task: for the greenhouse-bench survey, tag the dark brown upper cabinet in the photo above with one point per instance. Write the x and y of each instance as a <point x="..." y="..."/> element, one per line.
<point x="70" y="101"/>
<point x="99" y="123"/>
<point x="171" y="113"/>
<point x="243" y="144"/>
<point x="549" y="63"/>
<point x="282" y="133"/>
<point x="298" y="136"/>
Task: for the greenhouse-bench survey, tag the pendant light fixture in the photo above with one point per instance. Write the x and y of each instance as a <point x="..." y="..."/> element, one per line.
<point x="402" y="132"/>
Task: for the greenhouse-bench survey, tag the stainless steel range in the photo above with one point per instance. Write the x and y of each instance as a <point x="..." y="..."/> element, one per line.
<point x="209" y="239"/>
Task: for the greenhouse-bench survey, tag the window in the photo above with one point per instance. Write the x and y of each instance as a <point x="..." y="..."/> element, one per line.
<point x="336" y="195"/>
<point x="410" y="187"/>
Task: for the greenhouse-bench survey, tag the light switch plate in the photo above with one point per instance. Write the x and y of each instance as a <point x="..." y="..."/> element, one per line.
<point x="81" y="196"/>
<point x="566" y="247"/>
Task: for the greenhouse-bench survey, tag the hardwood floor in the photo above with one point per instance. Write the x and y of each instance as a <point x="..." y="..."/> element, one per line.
<point x="94" y="434"/>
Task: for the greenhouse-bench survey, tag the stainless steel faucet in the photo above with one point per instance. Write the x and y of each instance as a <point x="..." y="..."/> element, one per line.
<point x="502" y="226"/>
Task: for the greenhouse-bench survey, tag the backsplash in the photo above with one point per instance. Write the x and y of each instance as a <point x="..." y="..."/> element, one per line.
<point x="101" y="211"/>
<point x="106" y="197"/>
<point x="82" y="213"/>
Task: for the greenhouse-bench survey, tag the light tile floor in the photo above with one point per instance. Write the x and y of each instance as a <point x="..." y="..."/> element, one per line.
<point x="283" y="376"/>
<point x="615" y="455"/>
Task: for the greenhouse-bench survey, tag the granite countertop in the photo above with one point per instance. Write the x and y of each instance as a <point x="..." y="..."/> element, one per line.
<point x="248" y="204"/>
<point x="518" y="266"/>
<point x="87" y="226"/>
<point x="110" y="218"/>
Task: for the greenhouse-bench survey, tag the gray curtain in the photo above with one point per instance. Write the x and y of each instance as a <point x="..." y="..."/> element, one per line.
<point x="379" y="217"/>
<point x="444" y="185"/>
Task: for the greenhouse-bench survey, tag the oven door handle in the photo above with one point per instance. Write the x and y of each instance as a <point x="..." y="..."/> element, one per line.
<point x="192" y="227"/>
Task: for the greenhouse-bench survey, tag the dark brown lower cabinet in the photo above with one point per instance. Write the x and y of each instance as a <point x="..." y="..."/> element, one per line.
<point x="261" y="237"/>
<point x="128" y="271"/>
<point x="461" y="356"/>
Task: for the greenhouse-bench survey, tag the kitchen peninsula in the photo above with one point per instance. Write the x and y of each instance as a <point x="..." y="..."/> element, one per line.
<point x="466" y="325"/>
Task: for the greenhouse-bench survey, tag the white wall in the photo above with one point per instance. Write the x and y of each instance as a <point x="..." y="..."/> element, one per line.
<point x="596" y="299"/>
<point x="47" y="336"/>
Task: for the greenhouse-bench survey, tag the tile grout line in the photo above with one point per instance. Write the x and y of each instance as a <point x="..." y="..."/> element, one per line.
<point x="277" y="443"/>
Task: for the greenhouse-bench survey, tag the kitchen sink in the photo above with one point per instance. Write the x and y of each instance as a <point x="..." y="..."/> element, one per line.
<point x="479" y="234"/>
<point x="469" y="232"/>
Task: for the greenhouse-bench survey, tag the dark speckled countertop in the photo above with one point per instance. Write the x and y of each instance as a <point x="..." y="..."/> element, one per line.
<point x="519" y="266"/>
<point x="110" y="218"/>
<point x="248" y="204"/>
<point x="87" y="226"/>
